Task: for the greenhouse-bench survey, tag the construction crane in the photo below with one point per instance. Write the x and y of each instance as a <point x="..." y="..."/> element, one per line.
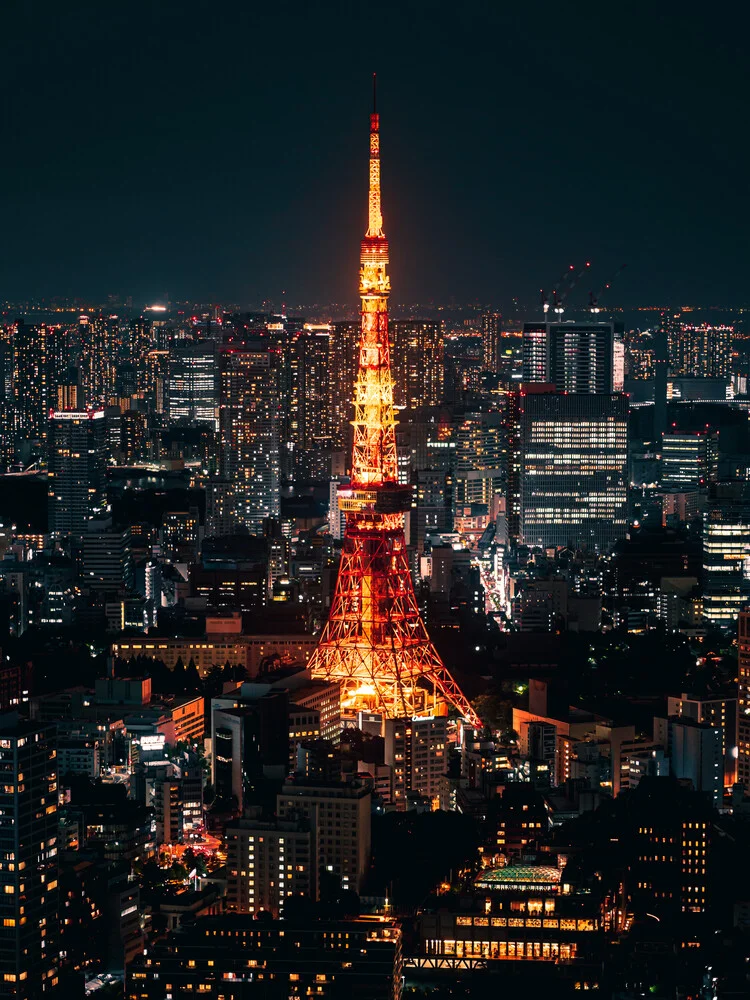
<point x="555" y="289"/>
<point x="573" y="279"/>
<point x="594" y="306"/>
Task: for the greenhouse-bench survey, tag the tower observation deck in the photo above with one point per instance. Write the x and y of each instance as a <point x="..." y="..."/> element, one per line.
<point x="375" y="642"/>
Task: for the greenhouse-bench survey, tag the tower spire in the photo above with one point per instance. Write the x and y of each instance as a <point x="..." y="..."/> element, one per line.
<point x="374" y="643"/>
<point x="375" y="227"/>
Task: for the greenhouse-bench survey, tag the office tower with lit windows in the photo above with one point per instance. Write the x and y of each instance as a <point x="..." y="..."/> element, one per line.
<point x="76" y="472"/>
<point x="30" y="389"/>
<point x="249" y="429"/>
<point x="573" y="470"/>
<point x="59" y="358"/>
<point x="132" y="443"/>
<point x="342" y="367"/>
<point x="671" y="856"/>
<point x="29" y="947"/>
<point x="726" y="551"/>
<point x="689" y="461"/>
<point x="267" y="863"/>
<point x="100" y="351"/>
<point x="743" y="699"/>
<point x="513" y="409"/>
<point x="491" y="325"/>
<point x="157" y="372"/>
<point x="480" y="459"/>
<point x="6" y="363"/>
<point x="309" y="433"/>
<point x="640" y="357"/>
<point x="574" y="357"/>
<point x="416" y="752"/>
<point x="107" y="564"/>
<point x="219" y="507"/>
<point x="432" y="509"/>
<point x="417" y="362"/>
<point x="700" y="351"/>
<point x="340" y="820"/>
<point x="192" y="392"/>
<point x="179" y="535"/>
<point x="140" y="344"/>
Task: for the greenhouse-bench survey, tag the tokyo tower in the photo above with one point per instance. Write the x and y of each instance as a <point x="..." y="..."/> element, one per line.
<point x="374" y="642"/>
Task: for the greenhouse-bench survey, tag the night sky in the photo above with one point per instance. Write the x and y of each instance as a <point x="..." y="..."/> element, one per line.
<point x="217" y="151"/>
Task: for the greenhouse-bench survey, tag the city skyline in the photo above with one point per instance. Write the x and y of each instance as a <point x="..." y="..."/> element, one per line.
<point x="196" y="160"/>
<point x="387" y="650"/>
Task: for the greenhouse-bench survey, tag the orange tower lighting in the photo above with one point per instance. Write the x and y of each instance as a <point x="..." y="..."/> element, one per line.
<point x="375" y="643"/>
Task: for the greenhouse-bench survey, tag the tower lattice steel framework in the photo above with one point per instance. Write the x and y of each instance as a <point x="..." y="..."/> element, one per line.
<point x="375" y="642"/>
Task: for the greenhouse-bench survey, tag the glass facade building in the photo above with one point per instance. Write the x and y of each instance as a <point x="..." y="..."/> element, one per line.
<point x="193" y="383"/>
<point x="250" y="432"/>
<point x="76" y="473"/>
<point x="689" y="460"/>
<point x="573" y="469"/>
<point x="726" y="551"/>
<point x="574" y="357"/>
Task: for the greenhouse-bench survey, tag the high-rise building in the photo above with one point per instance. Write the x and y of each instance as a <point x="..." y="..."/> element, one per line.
<point x="107" y="564"/>
<point x="267" y="863"/>
<point x="417" y="362"/>
<point x="726" y="551"/>
<point x="743" y="699"/>
<point x="689" y="460"/>
<point x="432" y="511"/>
<point x="480" y="458"/>
<point x="701" y="351"/>
<point x="574" y="357"/>
<point x="219" y="508"/>
<point x="30" y="388"/>
<point x="250" y="740"/>
<point x="491" y="326"/>
<point x="339" y="817"/>
<point x="573" y="477"/>
<point x="58" y="360"/>
<point x="157" y="367"/>
<point x="513" y="410"/>
<point x="141" y="332"/>
<point x="670" y="870"/>
<point x="179" y="535"/>
<point x="416" y="752"/>
<point x="100" y="350"/>
<point x="193" y="383"/>
<point x="132" y="442"/>
<point x="29" y="949"/>
<point x="719" y="712"/>
<point x="76" y="473"/>
<point x="342" y="365"/>
<point x="695" y="753"/>
<point x="309" y="433"/>
<point x="375" y="643"/>
<point x="250" y="428"/>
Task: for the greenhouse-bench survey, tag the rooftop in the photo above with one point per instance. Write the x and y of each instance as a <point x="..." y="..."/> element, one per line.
<point x="518" y="875"/>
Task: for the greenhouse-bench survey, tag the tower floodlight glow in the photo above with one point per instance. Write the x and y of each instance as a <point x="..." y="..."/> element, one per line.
<point x="375" y="643"/>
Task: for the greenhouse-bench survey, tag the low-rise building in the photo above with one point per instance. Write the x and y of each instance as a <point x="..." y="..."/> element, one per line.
<point x="236" y="955"/>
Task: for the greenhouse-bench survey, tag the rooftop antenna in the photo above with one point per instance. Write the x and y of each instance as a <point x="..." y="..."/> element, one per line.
<point x="374" y="93"/>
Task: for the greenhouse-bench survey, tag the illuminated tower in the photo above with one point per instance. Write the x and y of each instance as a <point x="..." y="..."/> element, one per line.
<point x="374" y="642"/>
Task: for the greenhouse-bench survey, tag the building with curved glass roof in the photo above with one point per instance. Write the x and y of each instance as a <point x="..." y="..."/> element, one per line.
<point x="524" y="877"/>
